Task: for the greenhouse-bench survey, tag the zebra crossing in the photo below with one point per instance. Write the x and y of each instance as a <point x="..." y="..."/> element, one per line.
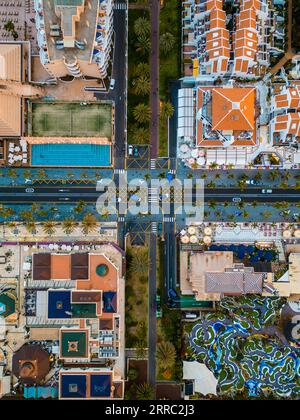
<point x="120" y="6"/>
<point x="121" y="219"/>
<point x="153" y="195"/>
<point x="172" y="171"/>
<point x="169" y="219"/>
<point x="152" y="164"/>
<point x="154" y="227"/>
<point x="120" y="171"/>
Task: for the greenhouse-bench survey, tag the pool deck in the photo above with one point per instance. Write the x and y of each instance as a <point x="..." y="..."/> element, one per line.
<point x="68" y="140"/>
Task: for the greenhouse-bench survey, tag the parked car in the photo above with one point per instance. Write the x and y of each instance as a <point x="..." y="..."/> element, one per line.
<point x="236" y="199"/>
<point x="29" y="190"/>
<point x="136" y="152"/>
<point x="112" y="84"/>
<point x="172" y="294"/>
<point x="190" y="315"/>
<point x="267" y="191"/>
<point x="130" y="150"/>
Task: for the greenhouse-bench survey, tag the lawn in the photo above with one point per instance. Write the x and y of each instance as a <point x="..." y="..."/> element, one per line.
<point x="71" y="120"/>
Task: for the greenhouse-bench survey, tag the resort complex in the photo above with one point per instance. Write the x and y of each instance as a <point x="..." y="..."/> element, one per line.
<point x="150" y="195"/>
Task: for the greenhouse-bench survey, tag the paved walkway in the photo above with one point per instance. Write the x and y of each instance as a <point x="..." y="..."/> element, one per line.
<point x="290" y="53"/>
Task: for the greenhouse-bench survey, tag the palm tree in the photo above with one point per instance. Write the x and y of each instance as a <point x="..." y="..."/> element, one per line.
<point x="213" y="165"/>
<point x="89" y="223"/>
<point x="165" y="354"/>
<point x="258" y="176"/>
<point x="49" y="227"/>
<point x="30" y="227"/>
<point x="143" y="44"/>
<point x="142" y="113"/>
<point x="254" y="204"/>
<point x="141" y="69"/>
<point x="212" y="204"/>
<point x="68" y="226"/>
<point x="9" y="26"/>
<point x="273" y="175"/>
<point x="166" y="110"/>
<point x="242" y="184"/>
<point x="142" y="27"/>
<point x="144" y="391"/>
<point x="80" y="206"/>
<point x="141" y="85"/>
<point x="26" y="215"/>
<point x="42" y="174"/>
<point x="27" y="173"/>
<point x="139" y="263"/>
<point x="12" y="173"/>
<point x="266" y="214"/>
<point x="211" y="184"/>
<point x="167" y="42"/>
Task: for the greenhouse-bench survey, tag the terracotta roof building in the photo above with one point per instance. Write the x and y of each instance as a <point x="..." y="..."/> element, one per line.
<point x="285" y="109"/>
<point x="225" y="117"/>
<point x="211" y="275"/>
<point x="217" y="43"/>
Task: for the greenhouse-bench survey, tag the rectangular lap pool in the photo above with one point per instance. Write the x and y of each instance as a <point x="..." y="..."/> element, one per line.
<point x="67" y="154"/>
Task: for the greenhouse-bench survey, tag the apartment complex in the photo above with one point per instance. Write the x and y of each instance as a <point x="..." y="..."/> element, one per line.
<point x="222" y="38"/>
<point x="78" y="299"/>
<point x="75" y="36"/>
<point x="285" y="113"/>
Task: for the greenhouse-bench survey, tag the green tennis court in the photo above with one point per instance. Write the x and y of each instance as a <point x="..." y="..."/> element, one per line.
<point x="71" y="120"/>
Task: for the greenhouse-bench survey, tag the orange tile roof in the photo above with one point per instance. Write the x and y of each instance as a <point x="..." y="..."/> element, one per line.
<point x="233" y="109"/>
<point x="60" y="267"/>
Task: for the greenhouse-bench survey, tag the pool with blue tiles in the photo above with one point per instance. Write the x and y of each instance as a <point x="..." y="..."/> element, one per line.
<point x="72" y="155"/>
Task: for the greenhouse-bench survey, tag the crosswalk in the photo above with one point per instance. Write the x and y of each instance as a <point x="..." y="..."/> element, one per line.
<point x="172" y="171"/>
<point x="169" y="219"/>
<point x="152" y="164"/>
<point x="154" y="227"/>
<point x="153" y="195"/>
<point x="121" y="219"/>
<point x="120" y="6"/>
<point x="120" y="171"/>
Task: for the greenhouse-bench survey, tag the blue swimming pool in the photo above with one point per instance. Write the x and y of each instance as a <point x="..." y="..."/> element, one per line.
<point x="68" y="154"/>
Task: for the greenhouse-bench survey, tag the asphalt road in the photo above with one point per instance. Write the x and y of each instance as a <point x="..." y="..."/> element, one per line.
<point x="75" y="193"/>
<point x="118" y="94"/>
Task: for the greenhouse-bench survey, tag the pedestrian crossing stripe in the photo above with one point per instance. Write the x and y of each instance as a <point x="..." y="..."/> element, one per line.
<point x="121" y="219"/>
<point x="120" y="171"/>
<point x="120" y="6"/>
<point x="169" y="219"/>
<point x="154" y="227"/>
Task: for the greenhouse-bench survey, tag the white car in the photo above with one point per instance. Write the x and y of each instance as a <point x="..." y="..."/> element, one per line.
<point x="29" y="190"/>
<point x="267" y="191"/>
<point x="130" y="150"/>
<point x="112" y="84"/>
<point x="236" y="199"/>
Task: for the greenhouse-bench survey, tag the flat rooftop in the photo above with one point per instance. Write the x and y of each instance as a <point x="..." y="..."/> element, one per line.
<point x="85" y="29"/>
